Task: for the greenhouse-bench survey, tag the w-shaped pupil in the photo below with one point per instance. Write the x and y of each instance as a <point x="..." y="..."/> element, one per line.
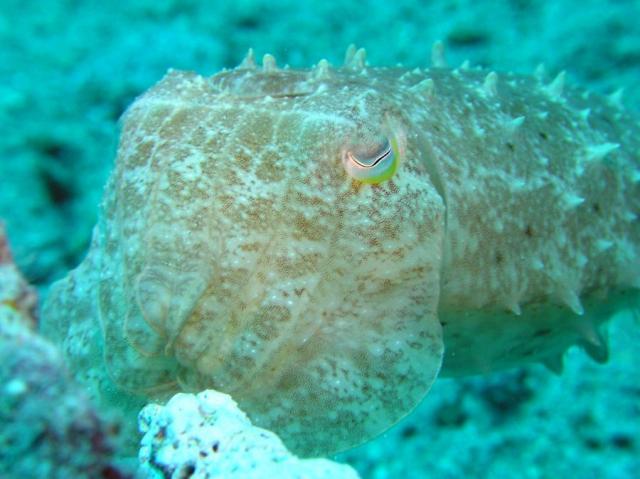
<point x="368" y="157"/>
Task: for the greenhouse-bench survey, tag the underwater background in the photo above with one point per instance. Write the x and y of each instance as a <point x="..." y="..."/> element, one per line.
<point x="69" y="68"/>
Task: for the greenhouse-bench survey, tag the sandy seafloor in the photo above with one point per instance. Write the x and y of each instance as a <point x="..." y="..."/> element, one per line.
<point x="69" y="68"/>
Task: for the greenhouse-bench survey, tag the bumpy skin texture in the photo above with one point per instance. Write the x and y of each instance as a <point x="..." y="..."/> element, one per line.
<point x="234" y="251"/>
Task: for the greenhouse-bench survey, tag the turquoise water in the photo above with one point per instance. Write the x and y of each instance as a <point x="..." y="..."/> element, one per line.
<point x="68" y="69"/>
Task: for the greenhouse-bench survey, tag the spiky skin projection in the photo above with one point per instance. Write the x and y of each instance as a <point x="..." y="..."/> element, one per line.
<point x="235" y="252"/>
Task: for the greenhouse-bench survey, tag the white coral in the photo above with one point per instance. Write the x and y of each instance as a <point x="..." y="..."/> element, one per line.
<point x="205" y="436"/>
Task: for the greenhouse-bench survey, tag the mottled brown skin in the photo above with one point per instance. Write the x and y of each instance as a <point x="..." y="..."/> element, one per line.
<point x="235" y="252"/>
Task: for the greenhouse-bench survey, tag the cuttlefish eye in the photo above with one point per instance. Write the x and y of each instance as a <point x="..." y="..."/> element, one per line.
<point x="372" y="162"/>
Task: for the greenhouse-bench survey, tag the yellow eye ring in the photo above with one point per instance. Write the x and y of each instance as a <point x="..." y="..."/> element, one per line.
<point x="372" y="163"/>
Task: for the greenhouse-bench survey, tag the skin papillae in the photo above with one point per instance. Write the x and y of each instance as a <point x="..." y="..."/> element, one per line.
<point x="234" y="251"/>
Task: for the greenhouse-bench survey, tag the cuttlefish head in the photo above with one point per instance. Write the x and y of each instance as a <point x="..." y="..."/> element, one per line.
<point x="275" y="236"/>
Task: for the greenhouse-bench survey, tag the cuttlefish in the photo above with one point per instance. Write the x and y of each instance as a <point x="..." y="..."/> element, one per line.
<point x="322" y="243"/>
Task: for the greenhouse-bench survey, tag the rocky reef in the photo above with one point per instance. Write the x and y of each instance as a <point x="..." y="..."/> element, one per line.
<point x="48" y="427"/>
